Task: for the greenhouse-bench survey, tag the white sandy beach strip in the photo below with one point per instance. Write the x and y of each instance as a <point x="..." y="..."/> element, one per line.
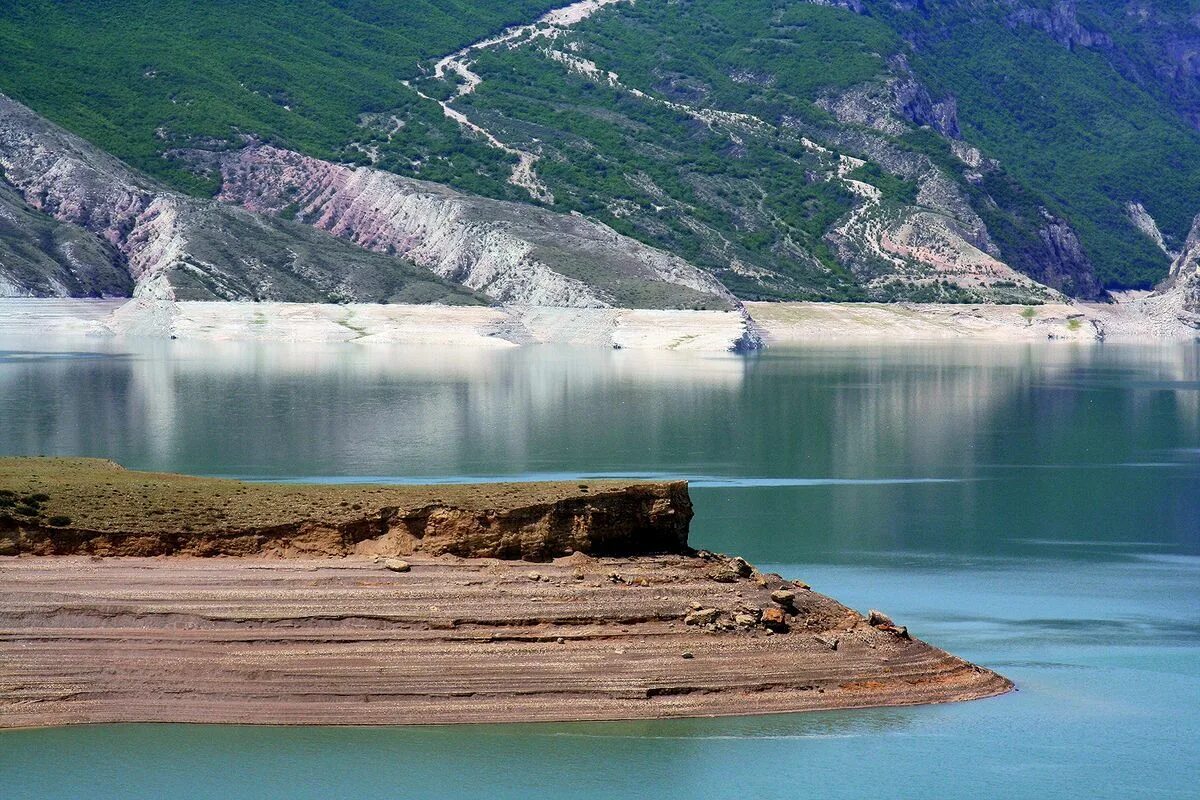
<point x="364" y="323"/>
<point x="779" y="324"/>
<point x="1149" y="319"/>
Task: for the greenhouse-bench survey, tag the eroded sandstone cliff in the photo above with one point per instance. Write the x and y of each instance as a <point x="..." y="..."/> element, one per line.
<point x="88" y="506"/>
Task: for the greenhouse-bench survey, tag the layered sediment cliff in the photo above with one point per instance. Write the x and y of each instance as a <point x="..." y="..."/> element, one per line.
<point x="94" y="507"/>
<point x="616" y="618"/>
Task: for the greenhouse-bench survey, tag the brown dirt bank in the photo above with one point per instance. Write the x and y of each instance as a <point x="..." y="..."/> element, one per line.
<point x="347" y="641"/>
<point x="55" y="506"/>
<point x="658" y="631"/>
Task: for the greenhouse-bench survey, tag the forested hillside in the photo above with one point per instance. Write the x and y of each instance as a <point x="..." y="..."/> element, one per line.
<point x="144" y="77"/>
<point x="950" y="150"/>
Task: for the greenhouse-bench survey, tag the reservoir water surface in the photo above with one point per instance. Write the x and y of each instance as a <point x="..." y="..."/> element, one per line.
<point x="1033" y="508"/>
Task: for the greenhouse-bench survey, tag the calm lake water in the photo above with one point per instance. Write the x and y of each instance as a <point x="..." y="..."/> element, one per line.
<point x="1035" y="508"/>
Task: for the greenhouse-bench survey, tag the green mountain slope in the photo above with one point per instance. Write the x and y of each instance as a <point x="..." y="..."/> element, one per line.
<point x="143" y="77"/>
<point x="1067" y="123"/>
<point x="864" y="149"/>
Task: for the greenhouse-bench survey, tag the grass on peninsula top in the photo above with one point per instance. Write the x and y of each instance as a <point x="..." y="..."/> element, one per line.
<point x="100" y="495"/>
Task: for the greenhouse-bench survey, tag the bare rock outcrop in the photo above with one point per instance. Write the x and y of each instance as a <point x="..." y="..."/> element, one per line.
<point x="891" y="104"/>
<point x="87" y="506"/>
<point x="1060" y="22"/>
<point x="1061" y="263"/>
<point x="177" y="247"/>
<point x="1183" y="283"/>
<point x="515" y="253"/>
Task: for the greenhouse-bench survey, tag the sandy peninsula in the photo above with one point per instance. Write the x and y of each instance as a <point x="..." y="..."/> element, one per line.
<point x="136" y="597"/>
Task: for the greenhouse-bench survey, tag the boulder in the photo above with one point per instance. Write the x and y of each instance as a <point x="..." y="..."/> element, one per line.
<point x="878" y="619"/>
<point x="784" y="597"/>
<point x="738" y="566"/>
<point x="775" y="620"/>
<point x="829" y="641"/>
<point x="723" y="575"/>
<point x="397" y="565"/>
<point x="701" y="616"/>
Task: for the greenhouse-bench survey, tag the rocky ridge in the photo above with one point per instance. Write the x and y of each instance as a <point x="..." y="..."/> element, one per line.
<point x="1183" y="285"/>
<point x="177" y="247"/>
<point x="514" y="253"/>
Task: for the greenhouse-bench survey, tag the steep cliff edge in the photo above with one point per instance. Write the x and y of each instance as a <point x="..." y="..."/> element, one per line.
<point x="91" y="506"/>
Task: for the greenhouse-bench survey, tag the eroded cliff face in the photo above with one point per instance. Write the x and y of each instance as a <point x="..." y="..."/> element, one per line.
<point x="1183" y="284"/>
<point x="513" y="252"/>
<point x="178" y="247"/>
<point x="408" y="241"/>
<point x="69" y="507"/>
<point x="633" y="520"/>
<point x="42" y="257"/>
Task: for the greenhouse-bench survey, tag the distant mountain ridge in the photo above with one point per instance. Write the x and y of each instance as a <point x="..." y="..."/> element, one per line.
<point x="1007" y="151"/>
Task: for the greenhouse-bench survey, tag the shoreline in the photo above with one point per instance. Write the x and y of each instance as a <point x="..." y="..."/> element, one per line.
<point x="760" y="324"/>
<point x="480" y="327"/>
<point x="443" y="724"/>
<point x="143" y="597"/>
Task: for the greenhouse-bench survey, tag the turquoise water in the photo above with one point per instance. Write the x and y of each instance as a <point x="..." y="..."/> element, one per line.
<point x="1035" y="508"/>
